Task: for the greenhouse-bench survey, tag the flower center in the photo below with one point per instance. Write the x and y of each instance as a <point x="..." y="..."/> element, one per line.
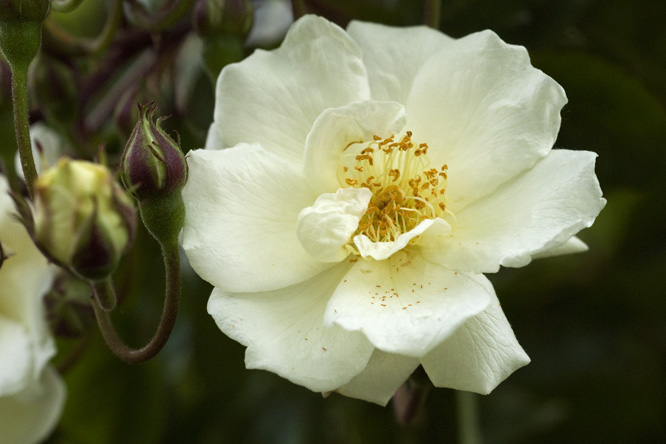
<point x="405" y="191"/>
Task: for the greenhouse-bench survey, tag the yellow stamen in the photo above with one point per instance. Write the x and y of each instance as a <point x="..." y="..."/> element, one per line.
<point x="405" y="190"/>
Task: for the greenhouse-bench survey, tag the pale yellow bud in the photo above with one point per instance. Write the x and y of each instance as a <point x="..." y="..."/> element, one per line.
<point x="83" y="219"/>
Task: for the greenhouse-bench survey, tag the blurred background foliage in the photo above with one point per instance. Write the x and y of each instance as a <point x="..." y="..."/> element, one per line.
<point x="594" y="324"/>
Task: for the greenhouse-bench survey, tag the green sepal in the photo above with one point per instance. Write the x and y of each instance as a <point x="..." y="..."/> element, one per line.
<point x="21" y="29"/>
<point x="164" y="217"/>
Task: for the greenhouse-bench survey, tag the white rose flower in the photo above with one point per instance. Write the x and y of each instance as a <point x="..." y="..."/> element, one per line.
<point x="369" y="178"/>
<point x="31" y="392"/>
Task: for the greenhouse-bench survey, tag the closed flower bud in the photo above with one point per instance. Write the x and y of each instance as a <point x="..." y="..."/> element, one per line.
<point x="83" y="218"/>
<point x="152" y="164"/>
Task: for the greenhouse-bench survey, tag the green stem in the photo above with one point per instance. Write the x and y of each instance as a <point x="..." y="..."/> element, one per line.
<point x="169" y="312"/>
<point x="104" y="294"/>
<point x="469" y="430"/>
<point x="22" y="123"/>
<point x="432" y="14"/>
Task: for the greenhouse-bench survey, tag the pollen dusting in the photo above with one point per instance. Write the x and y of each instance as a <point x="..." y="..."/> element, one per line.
<point x="405" y="188"/>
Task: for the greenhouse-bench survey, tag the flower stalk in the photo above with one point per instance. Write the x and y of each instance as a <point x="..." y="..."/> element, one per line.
<point x="22" y="123"/>
<point x="20" y="39"/>
<point x="432" y="14"/>
<point x="105" y="292"/>
<point x="469" y="431"/>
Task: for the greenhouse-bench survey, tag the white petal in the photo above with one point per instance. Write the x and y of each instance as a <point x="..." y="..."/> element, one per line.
<point x="573" y="245"/>
<point x="242" y="207"/>
<point x="270" y="23"/>
<point x="539" y="210"/>
<point x="213" y="138"/>
<point x="16" y="362"/>
<point x="25" y="276"/>
<point x="285" y="334"/>
<point x="325" y="228"/>
<point x="479" y="355"/>
<point x="28" y="417"/>
<point x="406" y="305"/>
<point x="383" y="250"/>
<point x="484" y="111"/>
<point x="273" y="98"/>
<point x="381" y="378"/>
<point x="394" y="56"/>
<point x="46" y="148"/>
<point x="336" y="128"/>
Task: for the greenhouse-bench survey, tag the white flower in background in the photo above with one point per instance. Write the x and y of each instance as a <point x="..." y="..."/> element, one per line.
<point x="46" y="148"/>
<point x="31" y="392"/>
<point x="271" y="22"/>
<point x="369" y="178"/>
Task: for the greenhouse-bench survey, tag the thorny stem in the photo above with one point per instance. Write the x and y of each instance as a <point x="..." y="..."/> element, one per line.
<point x="432" y="14"/>
<point x="167" y="321"/>
<point x="22" y="124"/>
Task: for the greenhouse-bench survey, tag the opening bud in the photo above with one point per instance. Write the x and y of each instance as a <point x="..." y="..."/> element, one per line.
<point x="152" y="164"/>
<point x="84" y="220"/>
